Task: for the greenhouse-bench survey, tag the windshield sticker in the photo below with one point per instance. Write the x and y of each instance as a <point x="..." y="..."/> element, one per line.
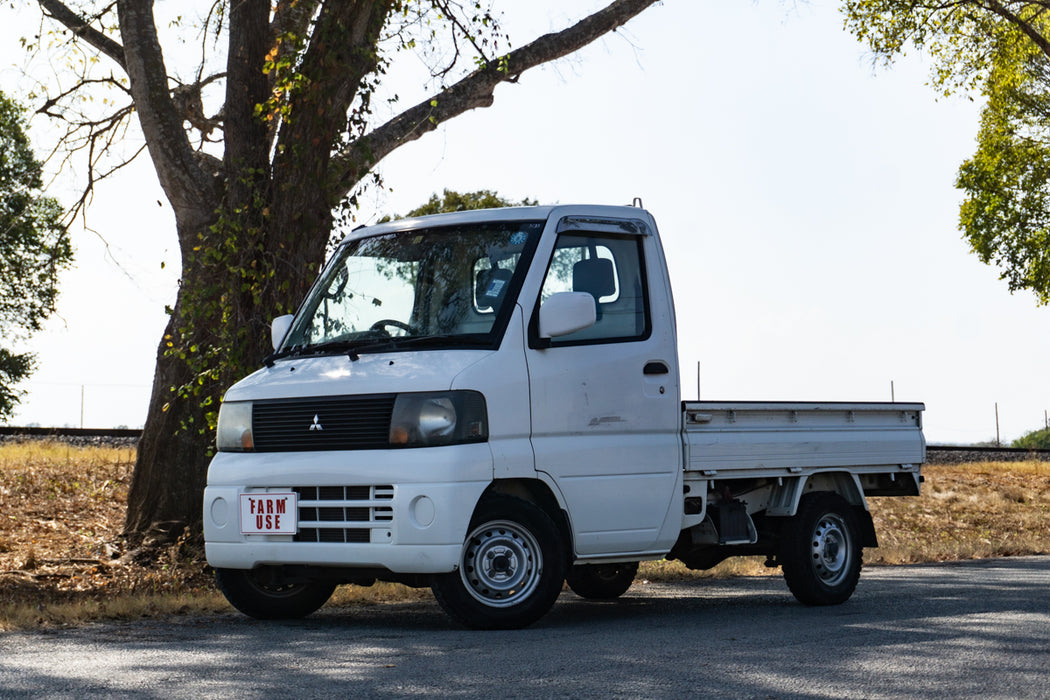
<point x="495" y="287"/>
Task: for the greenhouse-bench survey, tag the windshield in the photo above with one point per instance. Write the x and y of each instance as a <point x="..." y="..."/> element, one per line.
<point x="450" y="286"/>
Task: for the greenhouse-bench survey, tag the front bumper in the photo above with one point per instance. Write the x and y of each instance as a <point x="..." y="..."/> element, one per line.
<point x="368" y="509"/>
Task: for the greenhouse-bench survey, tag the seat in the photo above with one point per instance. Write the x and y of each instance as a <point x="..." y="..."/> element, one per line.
<point x="491" y="287"/>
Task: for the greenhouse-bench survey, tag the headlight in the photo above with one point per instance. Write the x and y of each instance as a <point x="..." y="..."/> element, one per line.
<point x="440" y="418"/>
<point x="234" y="432"/>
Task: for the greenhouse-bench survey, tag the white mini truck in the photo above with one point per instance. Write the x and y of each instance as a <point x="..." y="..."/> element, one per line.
<point x="488" y="403"/>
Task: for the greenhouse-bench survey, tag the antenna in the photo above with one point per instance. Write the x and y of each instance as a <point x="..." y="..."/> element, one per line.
<point x="637" y="202"/>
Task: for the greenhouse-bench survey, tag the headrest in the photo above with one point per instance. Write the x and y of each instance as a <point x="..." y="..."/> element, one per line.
<point x="490" y="287"/>
<point x="595" y="276"/>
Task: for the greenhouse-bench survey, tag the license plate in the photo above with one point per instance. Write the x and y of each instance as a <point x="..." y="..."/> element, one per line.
<point x="269" y="513"/>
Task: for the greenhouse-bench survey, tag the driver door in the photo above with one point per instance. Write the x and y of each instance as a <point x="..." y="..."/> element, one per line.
<point x="604" y="400"/>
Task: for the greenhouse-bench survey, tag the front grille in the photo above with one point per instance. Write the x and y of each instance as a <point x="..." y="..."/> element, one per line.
<point x="323" y="423"/>
<point x="343" y="513"/>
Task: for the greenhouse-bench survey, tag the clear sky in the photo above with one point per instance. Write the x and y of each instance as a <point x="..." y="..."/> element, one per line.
<point x="805" y="199"/>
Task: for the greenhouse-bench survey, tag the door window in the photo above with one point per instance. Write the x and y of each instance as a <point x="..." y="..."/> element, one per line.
<point x="609" y="268"/>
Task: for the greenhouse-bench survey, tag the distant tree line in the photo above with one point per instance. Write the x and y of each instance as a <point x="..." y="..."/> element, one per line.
<point x="1034" y="440"/>
<point x="34" y="248"/>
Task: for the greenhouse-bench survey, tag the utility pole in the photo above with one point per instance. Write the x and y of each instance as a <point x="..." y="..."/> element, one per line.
<point x="997" y="443"/>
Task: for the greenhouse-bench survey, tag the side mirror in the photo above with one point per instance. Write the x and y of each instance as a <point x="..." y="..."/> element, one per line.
<point x="279" y="328"/>
<point x="567" y="312"/>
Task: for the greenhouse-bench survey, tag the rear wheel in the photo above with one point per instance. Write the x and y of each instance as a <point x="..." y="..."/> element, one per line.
<point x="601" y="581"/>
<point x="511" y="568"/>
<point x="264" y="594"/>
<point x="821" y="552"/>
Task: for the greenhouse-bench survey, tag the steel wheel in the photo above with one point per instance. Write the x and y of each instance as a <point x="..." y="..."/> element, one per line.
<point x="830" y="549"/>
<point x="820" y="550"/>
<point x="502" y="564"/>
<point x="511" y="568"/>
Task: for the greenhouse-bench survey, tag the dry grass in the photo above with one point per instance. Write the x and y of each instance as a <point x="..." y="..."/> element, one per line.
<point x="967" y="511"/>
<point x="61" y="557"/>
<point x="62" y="560"/>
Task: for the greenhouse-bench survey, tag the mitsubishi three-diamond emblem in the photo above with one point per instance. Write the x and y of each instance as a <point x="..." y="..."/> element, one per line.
<point x="316" y="425"/>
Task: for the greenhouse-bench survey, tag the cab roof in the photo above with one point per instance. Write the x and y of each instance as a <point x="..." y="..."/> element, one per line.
<point x="539" y="213"/>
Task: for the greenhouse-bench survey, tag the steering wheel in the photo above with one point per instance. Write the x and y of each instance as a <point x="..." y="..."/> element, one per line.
<point x="383" y="323"/>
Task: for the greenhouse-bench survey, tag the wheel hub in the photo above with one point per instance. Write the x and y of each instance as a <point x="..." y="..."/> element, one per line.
<point x="500" y="564"/>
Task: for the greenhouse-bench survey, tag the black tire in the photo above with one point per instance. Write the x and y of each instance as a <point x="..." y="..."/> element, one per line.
<point x="511" y="568"/>
<point x="820" y="550"/>
<point x="262" y="594"/>
<point x="601" y="581"/>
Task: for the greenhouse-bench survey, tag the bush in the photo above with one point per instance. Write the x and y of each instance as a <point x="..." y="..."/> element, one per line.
<point x="1035" y="440"/>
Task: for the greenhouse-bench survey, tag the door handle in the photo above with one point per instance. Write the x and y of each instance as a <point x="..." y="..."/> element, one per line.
<point x="655" y="368"/>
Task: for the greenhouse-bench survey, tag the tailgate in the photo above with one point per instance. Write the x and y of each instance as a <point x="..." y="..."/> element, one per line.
<point x="788" y="438"/>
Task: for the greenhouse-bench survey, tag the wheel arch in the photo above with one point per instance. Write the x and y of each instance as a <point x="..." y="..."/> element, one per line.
<point x="787" y="496"/>
<point x="538" y="493"/>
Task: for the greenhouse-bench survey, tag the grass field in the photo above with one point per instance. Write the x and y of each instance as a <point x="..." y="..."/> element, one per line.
<point x="62" y="560"/>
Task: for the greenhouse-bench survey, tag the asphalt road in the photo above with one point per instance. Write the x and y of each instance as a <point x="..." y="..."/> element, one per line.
<point x="974" y="629"/>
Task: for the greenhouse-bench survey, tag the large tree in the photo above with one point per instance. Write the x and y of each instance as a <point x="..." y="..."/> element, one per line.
<point x="34" y="248"/>
<point x="254" y="156"/>
<point x="451" y="201"/>
<point x="1000" y="48"/>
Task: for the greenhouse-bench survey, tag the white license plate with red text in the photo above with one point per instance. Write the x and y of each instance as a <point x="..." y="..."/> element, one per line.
<point x="269" y="513"/>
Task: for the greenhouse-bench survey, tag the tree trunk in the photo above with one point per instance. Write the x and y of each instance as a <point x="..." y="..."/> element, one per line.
<point x="168" y="482"/>
<point x="177" y="440"/>
<point x="167" y="485"/>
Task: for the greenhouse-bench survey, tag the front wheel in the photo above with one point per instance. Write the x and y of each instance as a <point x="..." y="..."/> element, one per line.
<point x="601" y="581"/>
<point x="821" y="551"/>
<point x="510" y="570"/>
<point x="264" y="594"/>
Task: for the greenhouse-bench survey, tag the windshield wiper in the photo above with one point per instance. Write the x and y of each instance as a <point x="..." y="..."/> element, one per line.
<point x="442" y="339"/>
<point x="355" y="348"/>
<point x="279" y="354"/>
<point x="354" y="352"/>
<point x="300" y="350"/>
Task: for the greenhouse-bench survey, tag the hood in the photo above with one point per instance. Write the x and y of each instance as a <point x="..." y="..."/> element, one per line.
<point x="337" y="375"/>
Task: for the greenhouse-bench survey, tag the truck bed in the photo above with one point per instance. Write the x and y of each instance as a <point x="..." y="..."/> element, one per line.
<point x="746" y="438"/>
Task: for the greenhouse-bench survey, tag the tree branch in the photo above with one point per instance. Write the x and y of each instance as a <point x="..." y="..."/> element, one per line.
<point x="291" y="18"/>
<point x="1029" y="30"/>
<point x="52" y="102"/>
<point x="192" y="192"/>
<point x="340" y="54"/>
<point x="288" y="29"/>
<point x="475" y="90"/>
<point x="82" y="28"/>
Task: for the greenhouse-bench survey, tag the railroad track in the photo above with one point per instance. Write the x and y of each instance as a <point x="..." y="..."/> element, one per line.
<point x="959" y="454"/>
<point x="121" y="433"/>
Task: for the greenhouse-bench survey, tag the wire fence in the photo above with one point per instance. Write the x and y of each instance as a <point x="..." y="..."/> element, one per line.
<point x="81" y="405"/>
